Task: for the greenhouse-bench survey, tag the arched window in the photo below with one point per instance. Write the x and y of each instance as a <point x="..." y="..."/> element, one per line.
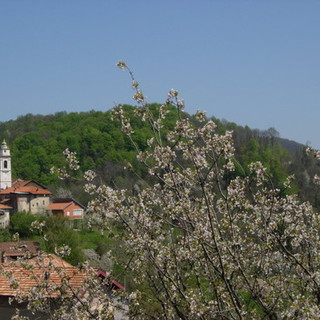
<point x="5" y="164"/>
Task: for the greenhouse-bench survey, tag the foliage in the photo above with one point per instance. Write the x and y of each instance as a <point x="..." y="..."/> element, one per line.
<point x="204" y="237"/>
<point x="37" y="143"/>
<point x="21" y="222"/>
<point x="203" y="245"/>
<point x="5" y="235"/>
<point x="58" y="233"/>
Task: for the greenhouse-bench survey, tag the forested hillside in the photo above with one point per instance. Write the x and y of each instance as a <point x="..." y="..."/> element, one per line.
<point x="37" y="143"/>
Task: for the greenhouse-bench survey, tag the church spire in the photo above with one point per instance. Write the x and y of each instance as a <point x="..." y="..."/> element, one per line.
<point x="5" y="166"/>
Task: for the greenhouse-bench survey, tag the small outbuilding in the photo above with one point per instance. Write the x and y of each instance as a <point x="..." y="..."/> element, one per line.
<point x="67" y="207"/>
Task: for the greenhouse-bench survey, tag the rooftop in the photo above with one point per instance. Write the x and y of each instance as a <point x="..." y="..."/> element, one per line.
<point x="46" y="272"/>
<point x="25" y="190"/>
<point x="18" y="248"/>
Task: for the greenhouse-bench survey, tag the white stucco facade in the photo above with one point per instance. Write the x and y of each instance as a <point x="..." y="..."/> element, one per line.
<point x="5" y="167"/>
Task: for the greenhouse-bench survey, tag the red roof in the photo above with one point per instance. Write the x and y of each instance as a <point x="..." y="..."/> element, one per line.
<point x="68" y="201"/>
<point x="3" y="201"/>
<point x="49" y="270"/>
<point x="3" y="206"/>
<point x="20" y="183"/>
<point x="59" y="206"/>
<point x="104" y="275"/>
<point x="30" y="190"/>
<point x="26" y="186"/>
<point x="17" y="183"/>
<point x="14" y="248"/>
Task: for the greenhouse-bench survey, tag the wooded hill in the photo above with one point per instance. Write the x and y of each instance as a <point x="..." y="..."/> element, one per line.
<point x="37" y="143"/>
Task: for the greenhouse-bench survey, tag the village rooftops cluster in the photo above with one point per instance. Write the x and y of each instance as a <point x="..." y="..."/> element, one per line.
<point x="23" y="268"/>
<point x="30" y="196"/>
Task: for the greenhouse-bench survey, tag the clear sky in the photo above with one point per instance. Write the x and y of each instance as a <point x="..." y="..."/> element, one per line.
<point x="256" y="63"/>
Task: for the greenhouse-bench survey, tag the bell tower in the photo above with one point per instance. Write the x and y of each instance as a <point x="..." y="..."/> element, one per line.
<point x="5" y="166"/>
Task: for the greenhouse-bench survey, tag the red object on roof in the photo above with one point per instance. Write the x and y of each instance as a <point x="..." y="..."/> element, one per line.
<point x="103" y="274"/>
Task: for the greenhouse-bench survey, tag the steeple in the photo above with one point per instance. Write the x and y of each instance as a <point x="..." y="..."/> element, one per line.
<point x="5" y="166"/>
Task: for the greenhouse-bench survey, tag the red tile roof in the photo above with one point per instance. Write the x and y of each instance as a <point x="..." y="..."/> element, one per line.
<point x="46" y="272"/>
<point x="3" y="206"/>
<point x="14" y="248"/>
<point x="58" y="206"/>
<point x="30" y="190"/>
<point x="17" y="183"/>
<point x="3" y="201"/>
<point x="20" y="183"/>
<point x="68" y="200"/>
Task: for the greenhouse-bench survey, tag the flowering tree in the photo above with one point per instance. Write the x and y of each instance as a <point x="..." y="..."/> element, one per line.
<point x="201" y="242"/>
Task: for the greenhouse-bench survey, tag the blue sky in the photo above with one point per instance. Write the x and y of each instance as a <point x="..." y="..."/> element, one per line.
<point x="256" y="63"/>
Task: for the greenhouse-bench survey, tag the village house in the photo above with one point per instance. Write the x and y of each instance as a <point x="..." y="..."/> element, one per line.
<point x="27" y="195"/>
<point x="67" y="207"/>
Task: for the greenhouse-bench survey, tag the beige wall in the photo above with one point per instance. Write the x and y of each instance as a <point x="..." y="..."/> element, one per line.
<point x="37" y="205"/>
<point x="22" y="204"/>
<point x="4" y="220"/>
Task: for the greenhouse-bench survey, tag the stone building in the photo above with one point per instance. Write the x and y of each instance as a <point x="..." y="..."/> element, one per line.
<point x="27" y="195"/>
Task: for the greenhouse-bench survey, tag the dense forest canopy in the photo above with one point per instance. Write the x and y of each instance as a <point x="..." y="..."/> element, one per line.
<point x="37" y="143"/>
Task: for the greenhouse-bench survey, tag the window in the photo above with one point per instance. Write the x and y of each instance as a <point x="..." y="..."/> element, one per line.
<point x="5" y="164"/>
<point x="78" y="212"/>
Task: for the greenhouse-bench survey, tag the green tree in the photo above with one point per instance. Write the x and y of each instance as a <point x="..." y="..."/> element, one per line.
<point x="58" y="233"/>
<point x="21" y="222"/>
<point x="5" y="235"/>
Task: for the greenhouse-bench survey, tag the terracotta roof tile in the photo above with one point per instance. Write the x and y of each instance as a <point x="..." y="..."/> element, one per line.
<point x="58" y="206"/>
<point x="3" y="206"/>
<point x="20" y="183"/>
<point x="49" y="271"/>
<point x="68" y="200"/>
<point x="20" y="247"/>
<point x="31" y="190"/>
